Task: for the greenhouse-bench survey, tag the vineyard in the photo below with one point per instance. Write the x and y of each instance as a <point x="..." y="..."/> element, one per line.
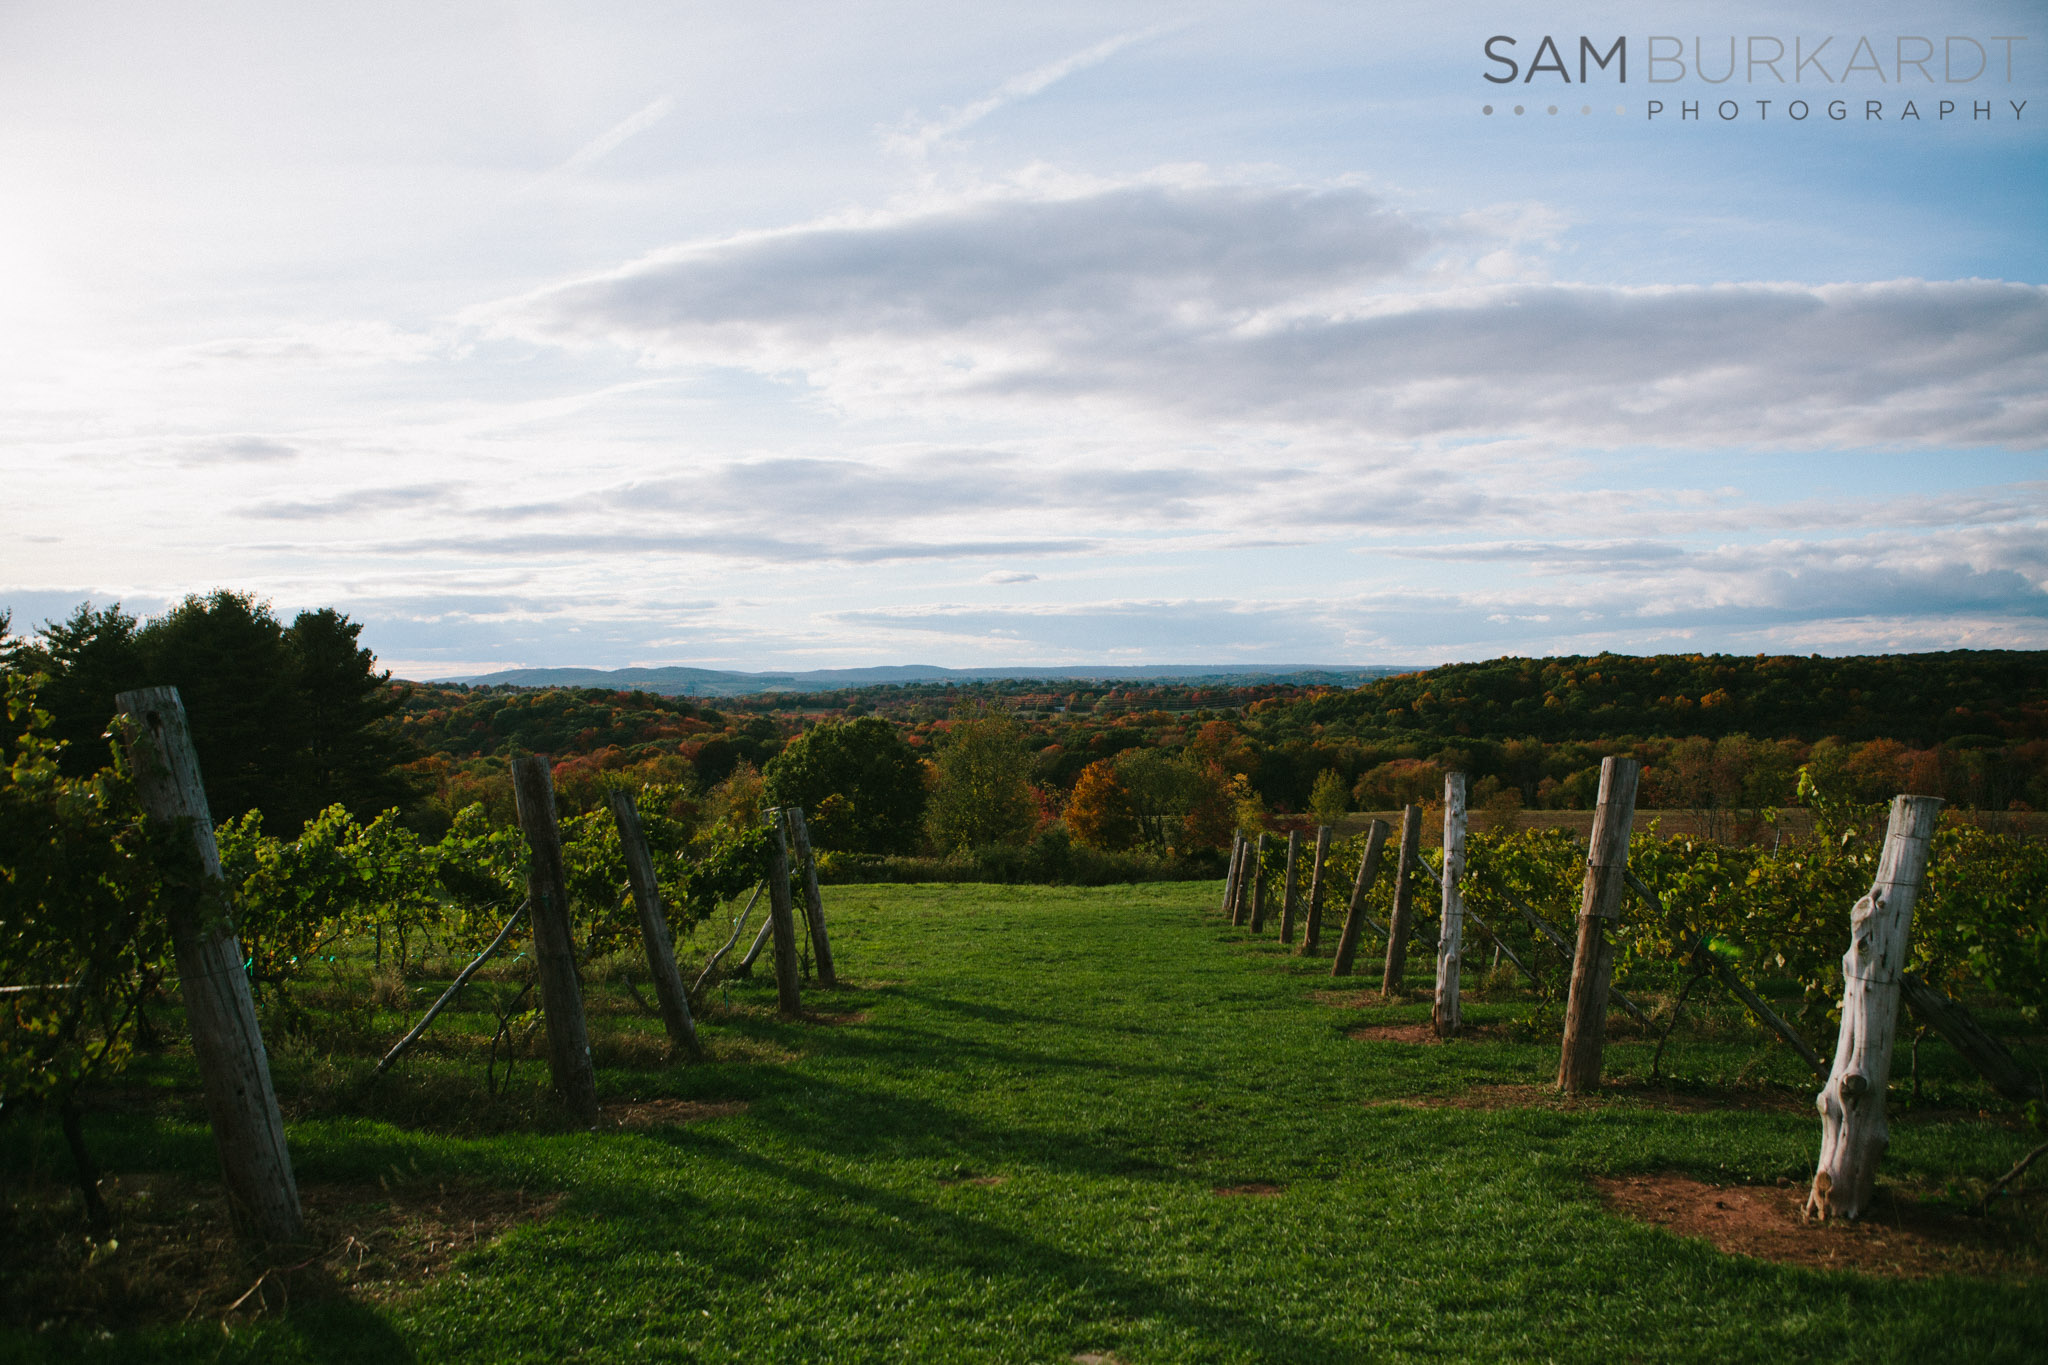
<point x="411" y="1000"/>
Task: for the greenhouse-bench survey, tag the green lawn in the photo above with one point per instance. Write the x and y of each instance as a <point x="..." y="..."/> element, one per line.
<point x="1015" y="1156"/>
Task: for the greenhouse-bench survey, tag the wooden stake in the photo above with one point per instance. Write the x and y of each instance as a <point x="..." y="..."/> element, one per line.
<point x="654" y="935"/>
<point x="1726" y="974"/>
<point x="782" y="920"/>
<point x="1450" y="942"/>
<point x="554" y="950"/>
<point x="814" y="903"/>
<point x="1287" y="893"/>
<point x="1851" y="1104"/>
<point x="1312" y="925"/>
<point x="399" y="1048"/>
<point x="1355" y="916"/>
<point x="760" y="941"/>
<point x="234" y="1069"/>
<point x="1404" y="902"/>
<point x="1982" y="1051"/>
<point x="1585" y="1021"/>
<point x="1230" y="906"/>
<point x="1259" y="885"/>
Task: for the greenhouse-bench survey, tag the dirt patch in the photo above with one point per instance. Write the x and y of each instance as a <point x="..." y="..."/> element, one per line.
<point x="1899" y="1237"/>
<point x="172" y="1255"/>
<point x="1394" y="1033"/>
<point x="639" y="1114"/>
<point x="1255" y="1190"/>
<point x="834" y="1020"/>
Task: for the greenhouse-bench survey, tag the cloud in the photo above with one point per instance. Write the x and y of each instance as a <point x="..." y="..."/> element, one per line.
<point x="1009" y="576"/>
<point x="236" y="450"/>
<point x="1315" y="309"/>
<point x="757" y="548"/>
<point x="354" y="502"/>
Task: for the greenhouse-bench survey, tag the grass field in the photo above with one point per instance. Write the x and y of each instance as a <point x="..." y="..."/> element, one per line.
<point x="1053" y="1125"/>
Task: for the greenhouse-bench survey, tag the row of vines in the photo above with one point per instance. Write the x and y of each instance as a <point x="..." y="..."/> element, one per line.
<point x="1980" y="928"/>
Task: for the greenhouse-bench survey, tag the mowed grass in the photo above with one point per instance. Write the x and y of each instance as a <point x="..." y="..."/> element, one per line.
<point x="1015" y="1155"/>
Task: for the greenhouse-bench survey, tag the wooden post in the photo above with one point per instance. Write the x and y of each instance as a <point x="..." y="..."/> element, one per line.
<point x="227" y="1043"/>
<point x="1585" y="1018"/>
<point x="1851" y="1104"/>
<point x="1259" y="884"/>
<point x="782" y="919"/>
<point x="1230" y="906"/>
<point x="1398" y="923"/>
<point x="1450" y="942"/>
<point x="554" y="951"/>
<point x="1287" y="891"/>
<point x="814" y="903"/>
<point x="654" y="936"/>
<point x="1354" y="918"/>
<point x="1312" y="926"/>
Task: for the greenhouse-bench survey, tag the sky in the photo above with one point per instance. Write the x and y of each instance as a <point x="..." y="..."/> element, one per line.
<point x="794" y="335"/>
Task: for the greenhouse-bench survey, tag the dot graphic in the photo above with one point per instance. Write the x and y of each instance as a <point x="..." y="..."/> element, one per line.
<point x="1585" y="108"/>
<point x="1518" y="108"/>
<point x="1619" y="110"/>
<point x="1553" y="108"/>
<point x="1487" y="110"/>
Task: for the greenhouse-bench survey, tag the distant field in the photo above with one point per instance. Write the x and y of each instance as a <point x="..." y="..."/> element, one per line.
<point x="1053" y="1125"/>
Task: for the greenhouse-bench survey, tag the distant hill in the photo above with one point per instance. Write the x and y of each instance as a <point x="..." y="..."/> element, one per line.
<point x="710" y="682"/>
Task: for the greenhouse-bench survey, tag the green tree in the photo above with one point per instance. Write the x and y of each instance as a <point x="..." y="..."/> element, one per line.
<point x="84" y="659"/>
<point x="859" y="783"/>
<point x="352" y="753"/>
<point x="983" y="790"/>
<point x="1329" y="798"/>
<point x="286" y="721"/>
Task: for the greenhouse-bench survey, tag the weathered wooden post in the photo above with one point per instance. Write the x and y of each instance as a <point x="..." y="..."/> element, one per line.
<point x="1851" y="1104"/>
<point x="814" y="903"/>
<point x="1241" y="902"/>
<point x="1450" y="943"/>
<point x="1259" y="884"/>
<point x="1230" y="905"/>
<point x="1288" y="898"/>
<point x="654" y="935"/>
<point x="554" y="950"/>
<point x="1399" y="923"/>
<point x="1585" y="1018"/>
<point x="1354" y="917"/>
<point x="227" y="1043"/>
<point x="782" y="919"/>
<point x="1312" y="925"/>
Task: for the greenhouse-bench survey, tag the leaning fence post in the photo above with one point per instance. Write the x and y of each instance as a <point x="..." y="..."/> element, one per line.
<point x="1259" y="884"/>
<point x="554" y="950"/>
<point x="1585" y="1019"/>
<point x="1230" y="906"/>
<point x="1404" y="901"/>
<point x="1354" y="918"/>
<point x="654" y="935"/>
<point x="1312" y="924"/>
<point x="1851" y="1104"/>
<point x="814" y="903"/>
<point x="248" y="1131"/>
<point x="1289" y="897"/>
<point x="782" y="919"/>
<point x="1450" y="943"/>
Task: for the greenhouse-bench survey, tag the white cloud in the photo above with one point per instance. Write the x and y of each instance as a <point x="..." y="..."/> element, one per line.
<point x="1314" y="309"/>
